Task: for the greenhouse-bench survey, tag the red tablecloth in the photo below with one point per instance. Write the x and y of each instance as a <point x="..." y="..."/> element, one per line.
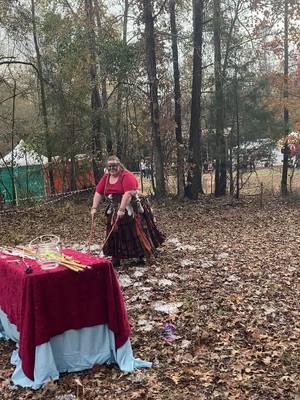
<point x="44" y="304"/>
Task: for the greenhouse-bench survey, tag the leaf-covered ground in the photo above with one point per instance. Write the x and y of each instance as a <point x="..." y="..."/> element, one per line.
<point x="227" y="278"/>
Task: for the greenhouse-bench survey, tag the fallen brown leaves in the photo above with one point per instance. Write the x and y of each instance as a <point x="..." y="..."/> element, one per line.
<point x="233" y="276"/>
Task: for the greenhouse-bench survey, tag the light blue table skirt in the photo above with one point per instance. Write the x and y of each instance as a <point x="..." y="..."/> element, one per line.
<point x="74" y="350"/>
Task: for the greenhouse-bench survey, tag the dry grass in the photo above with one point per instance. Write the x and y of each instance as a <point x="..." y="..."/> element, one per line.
<point x="270" y="178"/>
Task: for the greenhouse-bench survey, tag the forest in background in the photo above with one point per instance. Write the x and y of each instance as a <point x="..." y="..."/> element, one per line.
<point x="174" y="82"/>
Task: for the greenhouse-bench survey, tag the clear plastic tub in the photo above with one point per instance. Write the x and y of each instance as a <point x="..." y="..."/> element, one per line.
<point x="47" y="251"/>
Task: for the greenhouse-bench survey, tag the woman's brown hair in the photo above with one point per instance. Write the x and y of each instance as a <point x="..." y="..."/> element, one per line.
<point x="115" y="158"/>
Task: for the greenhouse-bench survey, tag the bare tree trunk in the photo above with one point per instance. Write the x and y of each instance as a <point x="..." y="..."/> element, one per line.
<point x="96" y="112"/>
<point x="237" y="137"/>
<point x="231" y="190"/>
<point x="177" y="99"/>
<point x="194" y="177"/>
<point x="119" y="123"/>
<point x="220" y="172"/>
<point x="73" y="173"/>
<point x="106" y="119"/>
<point x="125" y="22"/>
<point x="125" y="130"/>
<point x="12" y="167"/>
<point x="284" y="188"/>
<point x="154" y="107"/>
<point x="73" y="166"/>
<point x="231" y="183"/>
<point x="119" y="128"/>
<point x="43" y="97"/>
<point x="1" y="178"/>
<point x="105" y="125"/>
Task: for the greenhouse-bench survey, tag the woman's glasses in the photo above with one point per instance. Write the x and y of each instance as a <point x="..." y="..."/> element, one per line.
<point x="112" y="166"/>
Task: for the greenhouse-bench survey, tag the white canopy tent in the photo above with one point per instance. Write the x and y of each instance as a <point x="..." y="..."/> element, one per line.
<point x="23" y="156"/>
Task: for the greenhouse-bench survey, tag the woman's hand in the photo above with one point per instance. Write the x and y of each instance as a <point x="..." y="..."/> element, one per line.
<point x="96" y="201"/>
<point x="121" y="213"/>
<point x="93" y="211"/>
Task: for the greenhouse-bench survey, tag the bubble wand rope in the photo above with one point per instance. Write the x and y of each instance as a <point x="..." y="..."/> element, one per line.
<point x="92" y="232"/>
<point x="110" y="232"/>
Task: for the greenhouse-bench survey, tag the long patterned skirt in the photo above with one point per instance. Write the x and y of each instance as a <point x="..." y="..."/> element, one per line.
<point x="134" y="235"/>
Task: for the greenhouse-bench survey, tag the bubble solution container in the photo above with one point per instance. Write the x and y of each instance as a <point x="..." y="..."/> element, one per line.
<point x="48" y="249"/>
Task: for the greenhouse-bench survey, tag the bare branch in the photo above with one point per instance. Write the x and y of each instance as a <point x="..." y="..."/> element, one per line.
<point x="11" y="97"/>
<point x="8" y="62"/>
<point x="159" y="11"/>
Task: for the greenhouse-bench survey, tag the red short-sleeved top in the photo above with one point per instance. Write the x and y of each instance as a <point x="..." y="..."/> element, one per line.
<point x="126" y="182"/>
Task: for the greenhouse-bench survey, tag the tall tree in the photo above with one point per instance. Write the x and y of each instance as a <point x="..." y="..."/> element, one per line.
<point x="96" y="106"/>
<point x="13" y="181"/>
<point x="105" y="114"/>
<point x="43" y="96"/>
<point x="177" y="100"/>
<point x="220" y="171"/>
<point x="237" y="125"/>
<point x="120" y="148"/>
<point x="194" y="184"/>
<point x="284" y="189"/>
<point x="154" y="106"/>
